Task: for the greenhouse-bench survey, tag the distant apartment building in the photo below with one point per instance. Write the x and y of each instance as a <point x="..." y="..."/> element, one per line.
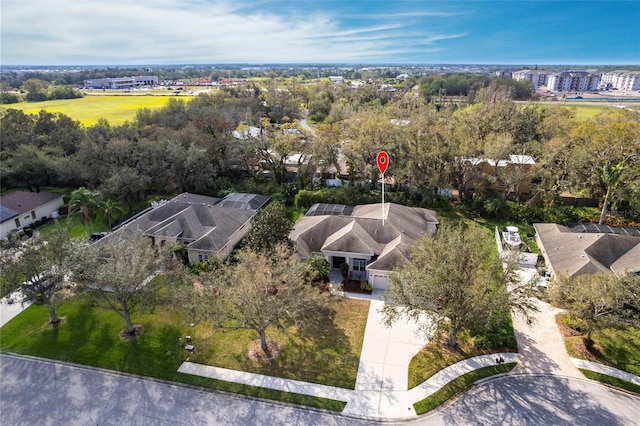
<point x="536" y="77"/>
<point x="620" y="80"/>
<point x="121" y="82"/>
<point x="504" y="73"/>
<point x="573" y="81"/>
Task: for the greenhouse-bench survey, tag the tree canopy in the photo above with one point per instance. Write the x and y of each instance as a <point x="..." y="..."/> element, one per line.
<point x="453" y="281"/>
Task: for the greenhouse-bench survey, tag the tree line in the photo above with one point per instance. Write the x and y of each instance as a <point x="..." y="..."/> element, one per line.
<point x="210" y="145"/>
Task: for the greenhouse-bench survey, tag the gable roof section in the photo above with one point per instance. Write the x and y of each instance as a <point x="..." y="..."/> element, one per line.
<point x="20" y="202"/>
<point x="362" y="231"/>
<point x="351" y="238"/>
<point x="200" y="222"/>
<point x="587" y="253"/>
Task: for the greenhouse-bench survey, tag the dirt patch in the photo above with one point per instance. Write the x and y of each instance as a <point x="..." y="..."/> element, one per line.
<point x="256" y="353"/>
<point x="137" y="331"/>
<point x="59" y="323"/>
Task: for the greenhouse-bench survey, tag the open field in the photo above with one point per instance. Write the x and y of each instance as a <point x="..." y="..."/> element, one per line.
<point x="87" y="110"/>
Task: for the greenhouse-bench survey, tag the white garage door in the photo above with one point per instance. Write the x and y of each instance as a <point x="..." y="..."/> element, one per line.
<point x="380" y="281"/>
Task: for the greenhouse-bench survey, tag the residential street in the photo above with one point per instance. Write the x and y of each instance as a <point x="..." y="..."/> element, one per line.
<point x="42" y="392"/>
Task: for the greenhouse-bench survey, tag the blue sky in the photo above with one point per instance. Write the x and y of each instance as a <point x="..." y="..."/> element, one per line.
<point x="121" y="32"/>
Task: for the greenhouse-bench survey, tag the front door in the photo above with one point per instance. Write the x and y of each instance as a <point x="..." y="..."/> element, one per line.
<point x="336" y="261"/>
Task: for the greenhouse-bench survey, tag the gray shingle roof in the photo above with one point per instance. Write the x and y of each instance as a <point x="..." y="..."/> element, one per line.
<point x="20" y="202"/>
<point x="200" y="222"/>
<point x="573" y="253"/>
<point x="362" y="232"/>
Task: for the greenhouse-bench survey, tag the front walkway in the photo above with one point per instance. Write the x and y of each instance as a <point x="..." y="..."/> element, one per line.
<point x="381" y="385"/>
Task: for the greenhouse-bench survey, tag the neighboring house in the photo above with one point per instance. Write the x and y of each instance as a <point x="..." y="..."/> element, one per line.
<point x="22" y="208"/>
<point x="578" y="249"/>
<point x="208" y="227"/>
<point x="357" y="236"/>
<point x="512" y="175"/>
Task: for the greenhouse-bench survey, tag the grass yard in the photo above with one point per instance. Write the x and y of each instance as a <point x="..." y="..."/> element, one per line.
<point x="76" y="230"/>
<point x="89" y="335"/>
<point x="612" y="347"/>
<point x="436" y="356"/>
<point x="87" y="110"/>
<point x="457" y="385"/>
<point x="326" y="353"/>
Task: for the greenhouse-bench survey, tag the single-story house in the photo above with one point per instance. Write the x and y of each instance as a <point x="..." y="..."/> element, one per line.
<point x="22" y="208"/>
<point x="587" y="249"/>
<point x="357" y="236"/>
<point x="517" y="169"/>
<point x="207" y="226"/>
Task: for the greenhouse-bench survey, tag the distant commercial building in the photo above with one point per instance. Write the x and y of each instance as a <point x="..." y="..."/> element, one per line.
<point x="536" y="77"/>
<point x="121" y="82"/>
<point x="573" y="81"/>
<point x="620" y="80"/>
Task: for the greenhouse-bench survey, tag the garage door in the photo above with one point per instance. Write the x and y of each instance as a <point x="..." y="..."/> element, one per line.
<point x="380" y="281"/>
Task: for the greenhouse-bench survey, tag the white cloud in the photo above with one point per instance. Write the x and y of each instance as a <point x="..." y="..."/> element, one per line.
<point x="193" y="31"/>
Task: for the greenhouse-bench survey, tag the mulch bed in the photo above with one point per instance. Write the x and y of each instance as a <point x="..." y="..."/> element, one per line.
<point x="137" y="331"/>
<point x="256" y="353"/>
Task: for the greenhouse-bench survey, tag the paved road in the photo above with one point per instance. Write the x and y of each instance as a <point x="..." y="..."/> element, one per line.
<point x="541" y="400"/>
<point x="46" y="393"/>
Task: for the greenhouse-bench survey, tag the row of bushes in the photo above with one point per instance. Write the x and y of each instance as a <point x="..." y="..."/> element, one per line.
<point x="353" y="196"/>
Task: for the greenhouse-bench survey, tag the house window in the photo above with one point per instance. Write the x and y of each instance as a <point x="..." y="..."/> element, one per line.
<point x="33" y="214"/>
<point x="203" y="257"/>
<point x="17" y="222"/>
<point x="359" y="265"/>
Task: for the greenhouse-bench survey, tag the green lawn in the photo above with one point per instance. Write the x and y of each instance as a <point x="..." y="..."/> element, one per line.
<point x="457" y="385"/>
<point x="87" y="110"/>
<point x="613" y="381"/>
<point x="436" y="356"/>
<point x="76" y="230"/>
<point x="89" y="335"/>
<point x="619" y="348"/>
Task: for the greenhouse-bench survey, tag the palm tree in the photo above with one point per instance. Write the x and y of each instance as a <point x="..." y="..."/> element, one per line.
<point x="110" y="209"/>
<point x="610" y="177"/>
<point x="84" y="202"/>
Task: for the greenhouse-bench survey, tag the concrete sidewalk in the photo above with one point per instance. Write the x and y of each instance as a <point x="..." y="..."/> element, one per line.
<point x="605" y="369"/>
<point x="10" y="310"/>
<point x="381" y="390"/>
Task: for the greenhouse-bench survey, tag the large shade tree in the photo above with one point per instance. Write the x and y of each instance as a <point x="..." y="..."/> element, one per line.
<point x="453" y="281"/>
<point x="260" y="291"/>
<point x="600" y="300"/>
<point x="39" y="268"/>
<point x="119" y="269"/>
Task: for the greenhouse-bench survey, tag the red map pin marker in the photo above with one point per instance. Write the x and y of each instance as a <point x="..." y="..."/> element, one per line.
<point x="383" y="161"/>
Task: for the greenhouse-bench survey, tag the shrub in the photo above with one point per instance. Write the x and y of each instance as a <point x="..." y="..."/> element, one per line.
<point x="63" y="209"/>
<point x="574" y="323"/>
<point x="344" y="270"/>
<point x="364" y="285"/>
